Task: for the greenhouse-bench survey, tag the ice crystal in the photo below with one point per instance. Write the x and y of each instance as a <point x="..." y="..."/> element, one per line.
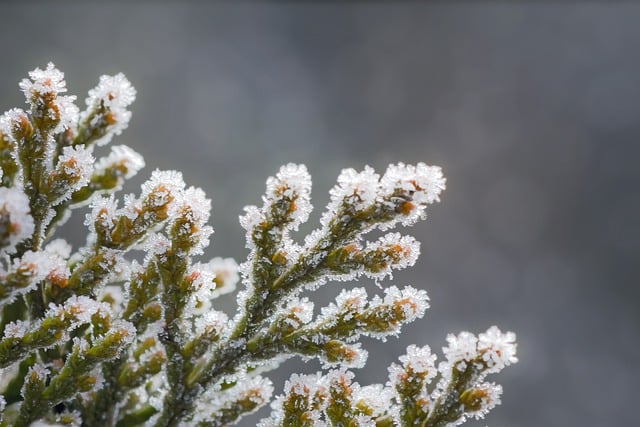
<point x="226" y="274"/>
<point x="16" y="222"/>
<point x="59" y="247"/>
<point x="42" y="89"/>
<point x="462" y="348"/>
<point x="123" y="159"/>
<point x="14" y="123"/>
<point x="16" y="329"/>
<point x="292" y="183"/>
<point x="162" y="189"/>
<point x="358" y="189"/>
<point x="114" y="94"/>
<point x="47" y="81"/>
<point x="498" y="349"/>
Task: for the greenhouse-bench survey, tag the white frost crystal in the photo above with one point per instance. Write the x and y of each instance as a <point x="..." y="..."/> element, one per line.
<point x="226" y="274"/>
<point x="162" y="188"/>
<point x="75" y="166"/>
<point x="462" y="348"/>
<point x="426" y="182"/>
<point x="50" y="83"/>
<point x="359" y="189"/>
<point x="294" y="183"/>
<point x="16" y="223"/>
<point x="47" y="81"/>
<point x="498" y="349"/>
<point x="121" y="157"/>
<point x="417" y="359"/>
<point x="115" y="93"/>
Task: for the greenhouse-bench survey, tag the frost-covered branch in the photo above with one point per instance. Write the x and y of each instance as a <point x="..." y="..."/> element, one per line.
<point x="100" y="336"/>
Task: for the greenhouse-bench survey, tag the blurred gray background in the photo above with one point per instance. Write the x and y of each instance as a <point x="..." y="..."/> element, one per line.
<point x="531" y="109"/>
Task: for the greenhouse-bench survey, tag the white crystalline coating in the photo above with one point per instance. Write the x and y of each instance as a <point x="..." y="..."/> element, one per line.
<point x="352" y="300"/>
<point x="152" y="353"/>
<point x="421" y="184"/>
<point x="16" y="329"/>
<point x="38" y="371"/>
<point x="427" y="182"/>
<point x="405" y="376"/>
<point x="358" y="189"/>
<point x="336" y="379"/>
<point x="358" y="359"/>
<point x="413" y="302"/>
<point x="362" y="420"/>
<point x="251" y="218"/>
<point x="410" y="247"/>
<point x="125" y="329"/>
<point x="201" y="278"/>
<point x="293" y="182"/>
<point x="491" y="394"/>
<point x="103" y="212"/>
<point x="76" y="162"/>
<point x="16" y="223"/>
<point x="115" y="295"/>
<point x="297" y="389"/>
<point x="113" y="261"/>
<point x="9" y="119"/>
<point x="195" y="209"/>
<point x="406" y="249"/>
<point x="257" y="390"/>
<point x="461" y="349"/>
<point x="304" y="385"/>
<point x="35" y="265"/>
<point x="203" y="292"/>
<point x="298" y="312"/>
<point x="376" y="397"/>
<point x="312" y="239"/>
<point x="68" y="113"/>
<point x="349" y="302"/>
<point x="226" y="273"/>
<point x="59" y="247"/>
<point x="5" y="123"/>
<point x="70" y="418"/>
<point x="156" y="245"/>
<point x="199" y="206"/>
<point x="58" y="268"/>
<point x="121" y="156"/>
<point x="96" y="373"/>
<point x="3" y="403"/>
<point x="50" y="80"/>
<point x="116" y="93"/>
<point x="419" y="360"/>
<point x="296" y="178"/>
<point x="498" y="349"/>
<point x="215" y="319"/>
<point x="162" y="186"/>
<point x="151" y="393"/>
<point x="81" y="308"/>
<point x="132" y="206"/>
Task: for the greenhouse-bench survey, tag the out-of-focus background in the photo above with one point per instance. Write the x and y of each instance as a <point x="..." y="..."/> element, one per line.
<point x="533" y="111"/>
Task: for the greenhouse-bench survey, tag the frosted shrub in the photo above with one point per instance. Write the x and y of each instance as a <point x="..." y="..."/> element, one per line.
<point x="94" y="337"/>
